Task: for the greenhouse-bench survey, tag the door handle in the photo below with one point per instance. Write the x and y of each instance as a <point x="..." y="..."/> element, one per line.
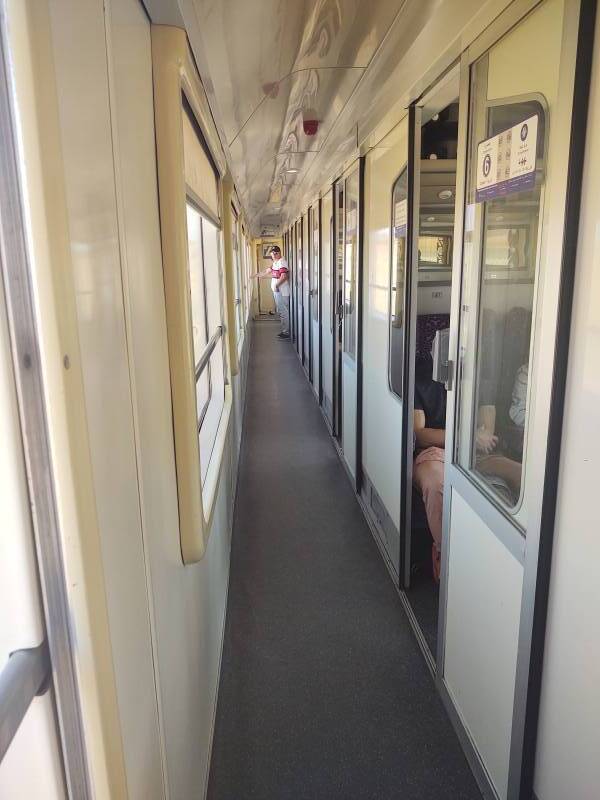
<point x="450" y="381"/>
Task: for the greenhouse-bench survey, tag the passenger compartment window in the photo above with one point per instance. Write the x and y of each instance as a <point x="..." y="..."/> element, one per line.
<point x="314" y="217"/>
<point x="350" y="263"/>
<point x="502" y="242"/>
<point x="237" y="274"/>
<point x="397" y="282"/>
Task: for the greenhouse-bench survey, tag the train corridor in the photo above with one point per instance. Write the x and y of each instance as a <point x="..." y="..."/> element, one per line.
<point x="323" y="690"/>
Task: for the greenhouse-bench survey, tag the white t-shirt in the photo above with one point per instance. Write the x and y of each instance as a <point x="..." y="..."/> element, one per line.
<point x="279" y="267"/>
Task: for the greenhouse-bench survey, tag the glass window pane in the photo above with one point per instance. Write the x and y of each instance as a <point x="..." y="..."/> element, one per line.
<point x="209" y="424"/>
<point x="299" y="258"/>
<point x="351" y="263"/>
<point x="435" y="250"/>
<point x="196" y="279"/>
<point x="398" y="276"/>
<point x="338" y="276"/>
<point x="237" y="277"/>
<point x="502" y="243"/>
<point x="315" y="262"/>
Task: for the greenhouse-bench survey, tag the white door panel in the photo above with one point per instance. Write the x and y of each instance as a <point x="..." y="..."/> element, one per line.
<point x="382" y="409"/>
<point x="349" y="412"/>
<point x="518" y="89"/>
<point x="482" y="632"/>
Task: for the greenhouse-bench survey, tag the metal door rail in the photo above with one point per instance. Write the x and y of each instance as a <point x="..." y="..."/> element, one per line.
<point x="24" y="676"/>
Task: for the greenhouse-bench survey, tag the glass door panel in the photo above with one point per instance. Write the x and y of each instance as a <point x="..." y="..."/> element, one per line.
<point x="508" y="261"/>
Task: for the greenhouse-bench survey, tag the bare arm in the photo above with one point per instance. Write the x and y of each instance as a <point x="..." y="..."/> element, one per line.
<point x="427" y="437"/>
<point x="486" y="440"/>
<point x="262" y="274"/>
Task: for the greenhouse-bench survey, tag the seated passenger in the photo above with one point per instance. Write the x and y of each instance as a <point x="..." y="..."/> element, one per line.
<point x="507" y="463"/>
<point x="518" y="409"/>
<point x="430" y="436"/>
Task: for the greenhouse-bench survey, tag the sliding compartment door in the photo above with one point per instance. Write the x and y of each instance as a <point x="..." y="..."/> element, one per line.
<point x="383" y="332"/>
<point x="327" y="305"/>
<point x="518" y="82"/>
<point x="315" y="272"/>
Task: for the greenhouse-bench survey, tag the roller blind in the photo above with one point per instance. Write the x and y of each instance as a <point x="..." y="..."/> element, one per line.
<point x="199" y="173"/>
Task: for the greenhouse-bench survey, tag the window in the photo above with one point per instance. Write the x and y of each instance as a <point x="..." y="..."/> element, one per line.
<point x="199" y="316"/>
<point x="237" y="276"/>
<point x="299" y="260"/>
<point x="435" y="250"/>
<point x="350" y="263"/>
<point x="397" y="282"/>
<point x="338" y="277"/>
<point x="204" y="272"/>
<point x="314" y="218"/>
<point x="502" y="235"/>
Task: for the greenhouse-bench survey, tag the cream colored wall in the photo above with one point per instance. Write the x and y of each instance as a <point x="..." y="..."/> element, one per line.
<point x="151" y="737"/>
<point x="98" y="224"/>
<point x="568" y="763"/>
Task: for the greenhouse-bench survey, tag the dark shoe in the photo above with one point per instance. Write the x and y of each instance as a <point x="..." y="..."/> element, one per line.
<point x="283" y="336"/>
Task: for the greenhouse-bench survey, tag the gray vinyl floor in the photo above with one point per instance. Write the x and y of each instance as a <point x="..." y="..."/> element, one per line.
<point x="324" y="694"/>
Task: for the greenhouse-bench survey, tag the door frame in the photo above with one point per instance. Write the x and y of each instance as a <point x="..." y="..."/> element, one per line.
<point x="310" y="258"/>
<point x="359" y="324"/>
<point x="408" y="365"/>
<point x="338" y="309"/>
<point x="320" y="302"/>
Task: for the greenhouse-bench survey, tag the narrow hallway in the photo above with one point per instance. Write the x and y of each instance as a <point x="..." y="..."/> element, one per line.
<point x="323" y="691"/>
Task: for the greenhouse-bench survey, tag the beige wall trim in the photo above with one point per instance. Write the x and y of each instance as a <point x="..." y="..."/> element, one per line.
<point x="230" y="228"/>
<point x="174" y="72"/>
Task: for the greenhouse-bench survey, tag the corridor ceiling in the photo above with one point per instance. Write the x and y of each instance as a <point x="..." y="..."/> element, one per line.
<point x="269" y="65"/>
<point x="275" y="63"/>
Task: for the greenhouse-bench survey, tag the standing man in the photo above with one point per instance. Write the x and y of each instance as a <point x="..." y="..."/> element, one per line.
<point x="280" y="286"/>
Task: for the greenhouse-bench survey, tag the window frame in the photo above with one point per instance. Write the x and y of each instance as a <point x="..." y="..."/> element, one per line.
<point x="514" y="513"/>
<point x="397" y="179"/>
<point x="351" y="353"/>
<point x="178" y="93"/>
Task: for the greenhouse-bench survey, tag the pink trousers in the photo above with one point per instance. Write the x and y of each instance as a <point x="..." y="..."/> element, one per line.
<point x="428" y="477"/>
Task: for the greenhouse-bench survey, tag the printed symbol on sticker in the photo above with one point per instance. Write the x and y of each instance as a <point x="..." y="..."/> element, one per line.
<point x="487" y="165"/>
<point x="524" y="131"/>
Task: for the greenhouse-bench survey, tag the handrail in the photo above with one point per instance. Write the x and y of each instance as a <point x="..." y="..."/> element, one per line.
<point x="204" y="358"/>
<point x="24" y="676"/>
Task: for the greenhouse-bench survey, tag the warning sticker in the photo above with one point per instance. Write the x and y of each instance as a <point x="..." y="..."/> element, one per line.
<point x="506" y="162"/>
<point x="400" y="215"/>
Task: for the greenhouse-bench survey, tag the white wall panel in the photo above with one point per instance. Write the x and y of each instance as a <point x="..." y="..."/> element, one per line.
<point x="382" y="410"/>
<point x="482" y="630"/>
<point x="568" y="757"/>
<point x="188" y="603"/>
<point x="81" y="61"/>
